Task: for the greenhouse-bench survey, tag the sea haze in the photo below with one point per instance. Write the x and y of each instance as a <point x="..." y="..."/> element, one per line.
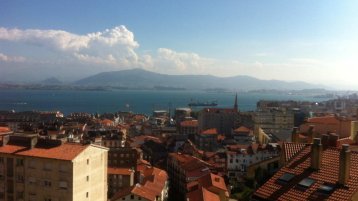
<point x="140" y="101"/>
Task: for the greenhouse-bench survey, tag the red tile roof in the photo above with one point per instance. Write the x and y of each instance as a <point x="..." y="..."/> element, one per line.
<point x="4" y="129"/>
<point x="66" y="151"/>
<point x="213" y="180"/>
<point x="189" y="123"/>
<point x="300" y="167"/>
<point x="154" y="181"/>
<point x="11" y="149"/>
<point x="292" y="149"/>
<point x="242" y="129"/>
<point x="202" y="194"/>
<point x="211" y="131"/>
<point x="119" y="171"/>
<point x="329" y="119"/>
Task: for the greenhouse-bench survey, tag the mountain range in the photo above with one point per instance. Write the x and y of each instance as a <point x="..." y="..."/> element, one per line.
<point x="139" y="78"/>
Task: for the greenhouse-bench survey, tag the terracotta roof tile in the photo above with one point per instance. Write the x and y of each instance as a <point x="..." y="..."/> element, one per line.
<point x="66" y="151"/>
<point x="11" y="149"/>
<point x="202" y="194"/>
<point x="213" y="180"/>
<point x="4" y="129"/>
<point x="119" y="171"/>
<point x="291" y="149"/>
<point x="152" y="185"/>
<point x="189" y="123"/>
<point x="211" y="131"/>
<point x="299" y="166"/>
<point x="242" y="129"/>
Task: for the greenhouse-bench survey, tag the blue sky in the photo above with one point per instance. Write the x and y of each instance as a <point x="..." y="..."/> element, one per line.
<point x="313" y="41"/>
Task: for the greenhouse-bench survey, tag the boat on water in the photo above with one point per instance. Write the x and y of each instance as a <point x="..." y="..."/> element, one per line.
<point x="198" y="103"/>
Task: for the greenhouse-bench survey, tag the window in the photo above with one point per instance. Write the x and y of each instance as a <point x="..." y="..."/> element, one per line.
<point x="1" y="160"/>
<point x="87" y="161"/>
<point x="47" y="199"/>
<point x="20" y="178"/>
<point x="32" y="164"/>
<point x="87" y="178"/>
<point x="32" y="180"/>
<point x="47" y="183"/>
<point x="132" y="197"/>
<point x="86" y="194"/>
<point x="19" y="162"/>
<point x="63" y="168"/>
<point x="62" y="184"/>
<point x="47" y="166"/>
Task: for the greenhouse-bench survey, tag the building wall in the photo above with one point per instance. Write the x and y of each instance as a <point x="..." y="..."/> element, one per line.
<point x="132" y="198"/>
<point x="117" y="182"/>
<point x="238" y="163"/>
<point x="90" y="175"/>
<point x="223" y="121"/>
<point x="35" y="178"/>
<point x="274" y="120"/>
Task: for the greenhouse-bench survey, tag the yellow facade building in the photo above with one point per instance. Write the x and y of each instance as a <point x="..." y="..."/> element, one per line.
<point x="35" y="169"/>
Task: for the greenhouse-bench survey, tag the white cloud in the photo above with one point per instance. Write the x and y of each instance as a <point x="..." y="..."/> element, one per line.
<point x="7" y="58"/>
<point x="109" y="46"/>
<point x="181" y="62"/>
<point x="115" y="49"/>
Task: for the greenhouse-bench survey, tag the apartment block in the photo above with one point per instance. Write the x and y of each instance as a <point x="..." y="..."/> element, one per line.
<point x="36" y="169"/>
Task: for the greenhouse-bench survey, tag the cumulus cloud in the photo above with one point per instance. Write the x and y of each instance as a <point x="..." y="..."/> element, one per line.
<point x="110" y="46"/>
<point x="6" y="58"/>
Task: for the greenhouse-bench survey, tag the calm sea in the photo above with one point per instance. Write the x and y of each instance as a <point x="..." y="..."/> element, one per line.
<point x="138" y="101"/>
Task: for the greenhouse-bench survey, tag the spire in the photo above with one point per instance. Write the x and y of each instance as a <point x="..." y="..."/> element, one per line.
<point x="235" y="105"/>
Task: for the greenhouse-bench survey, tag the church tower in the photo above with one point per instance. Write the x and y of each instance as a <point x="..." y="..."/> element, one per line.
<point x="236" y="108"/>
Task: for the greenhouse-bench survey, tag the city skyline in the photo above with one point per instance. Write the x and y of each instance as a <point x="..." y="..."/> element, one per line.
<point x="308" y="41"/>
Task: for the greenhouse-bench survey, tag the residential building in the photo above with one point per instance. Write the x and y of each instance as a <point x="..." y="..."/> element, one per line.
<point x="277" y="122"/>
<point x="119" y="179"/>
<point x="343" y="127"/>
<point x="40" y="169"/>
<point x="153" y="186"/>
<point x="223" y="119"/>
<point x="183" y="169"/>
<point x="243" y="135"/>
<point x="189" y="127"/>
<point x="210" y="187"/>
<point x="207" y="140"/>
<point x="240" y="157"/>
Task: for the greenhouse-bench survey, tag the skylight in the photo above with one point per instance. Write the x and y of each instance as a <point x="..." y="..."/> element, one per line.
<point x="287" y="177"/>
<point x="307" y="182"/>
<point x="326" y="188"/>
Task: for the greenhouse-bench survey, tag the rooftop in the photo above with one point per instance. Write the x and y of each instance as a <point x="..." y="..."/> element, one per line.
<point x="211" y="131"/>
<point x="308" y="184"/>
<point x="189" y="123"/>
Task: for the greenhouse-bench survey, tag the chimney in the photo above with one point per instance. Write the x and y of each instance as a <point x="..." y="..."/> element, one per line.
<point x="316" y="154"/>
<point x="325" y="140"/>
<point x="344" y="164"/>
<point x="310" y="134"/>
<point x="294" y="135"/>
<point x="5" y="140"/>
<point x="333" y="139"/>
